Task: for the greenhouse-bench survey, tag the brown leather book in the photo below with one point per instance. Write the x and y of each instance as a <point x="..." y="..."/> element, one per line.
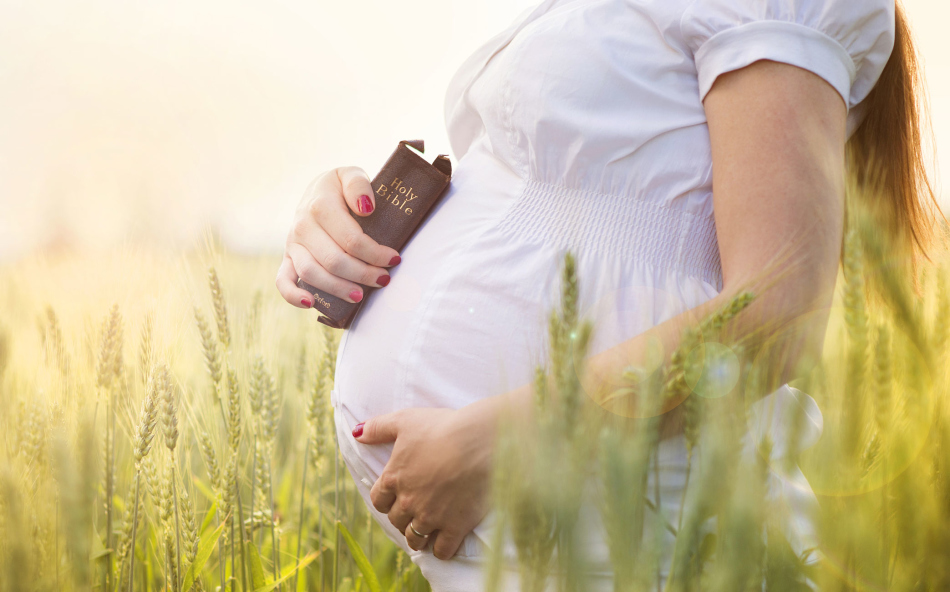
<point x="406" y="189"/>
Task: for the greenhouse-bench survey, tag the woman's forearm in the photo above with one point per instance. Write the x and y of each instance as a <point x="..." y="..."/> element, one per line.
<point x="788" y="313"/>
<point x="602" y="372"/>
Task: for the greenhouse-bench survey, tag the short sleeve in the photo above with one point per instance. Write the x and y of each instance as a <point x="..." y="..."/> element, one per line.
<point x="846" y="42"/>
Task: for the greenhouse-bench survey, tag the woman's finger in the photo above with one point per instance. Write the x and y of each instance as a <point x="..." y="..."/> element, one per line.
<point x="287" y="285"/>
<point x="416" y="542"/>
<point x="349" y="235"/>
<point x="383" y="493"/>
<point x="400" y="514"/>
<point x="337" y="261"/>
<point x="381" y="429"/>
<point x="446" y="545"/>
<point x="346" y="232"/>
<point x="309" y="270"/>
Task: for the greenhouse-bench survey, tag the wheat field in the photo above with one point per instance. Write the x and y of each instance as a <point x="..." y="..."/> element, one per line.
<point x="166" y="426"/>
<point x="167" y="399"/>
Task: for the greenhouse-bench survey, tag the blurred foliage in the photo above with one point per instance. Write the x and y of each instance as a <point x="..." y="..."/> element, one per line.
<point x="167" y="427"/>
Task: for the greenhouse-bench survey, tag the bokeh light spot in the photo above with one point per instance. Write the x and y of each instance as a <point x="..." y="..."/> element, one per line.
<point x="712" y="370"/>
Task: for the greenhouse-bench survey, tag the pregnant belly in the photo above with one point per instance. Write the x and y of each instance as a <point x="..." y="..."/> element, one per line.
<point x="473" y="328"/>
<point x="431" y="321"/>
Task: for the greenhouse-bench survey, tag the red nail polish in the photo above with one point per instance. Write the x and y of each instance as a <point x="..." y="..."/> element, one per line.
<point x="365" y="204"/>
<point x="358" y="430"/>
<point x="395" y="260"/>
<point x="356" y="295"/>
<point x="306" y="302"/>
<point x="383" y="280"/>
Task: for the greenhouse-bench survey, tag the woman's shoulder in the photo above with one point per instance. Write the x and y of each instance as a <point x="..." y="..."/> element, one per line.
<point x="846" y="42"/>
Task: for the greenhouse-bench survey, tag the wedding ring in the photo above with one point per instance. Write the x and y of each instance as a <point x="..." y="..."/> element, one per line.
<point x="416" y="532"/>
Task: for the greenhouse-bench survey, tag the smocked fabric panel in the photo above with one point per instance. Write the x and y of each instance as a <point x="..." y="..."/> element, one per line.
<point x="666" y="238"/>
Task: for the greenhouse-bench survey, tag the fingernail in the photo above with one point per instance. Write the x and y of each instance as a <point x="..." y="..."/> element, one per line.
<point x="365" y="204"/>
<point x="395" y="260"/>
<point x="306" y="302"/>
<point x="356" y="295"/>
<point x="383" y="280"/>
<point x="358" y="430"/>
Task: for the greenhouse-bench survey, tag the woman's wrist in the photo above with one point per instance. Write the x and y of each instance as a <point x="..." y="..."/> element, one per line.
<point x="516" y="406"/>
<point x="483" y="418"/>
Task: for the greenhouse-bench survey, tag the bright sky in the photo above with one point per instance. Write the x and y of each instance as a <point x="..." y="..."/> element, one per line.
<point x="144" y="121"/>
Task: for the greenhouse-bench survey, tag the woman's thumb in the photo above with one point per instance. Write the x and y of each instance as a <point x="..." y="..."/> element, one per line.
<point x="357" y="190"/>
<point x="378" y="430"/>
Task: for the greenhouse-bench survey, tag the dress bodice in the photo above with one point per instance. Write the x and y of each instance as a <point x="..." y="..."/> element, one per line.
<point x="606" y="95"/>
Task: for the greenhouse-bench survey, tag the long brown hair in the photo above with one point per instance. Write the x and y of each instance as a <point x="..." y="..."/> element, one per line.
<point x="886" y="155"/>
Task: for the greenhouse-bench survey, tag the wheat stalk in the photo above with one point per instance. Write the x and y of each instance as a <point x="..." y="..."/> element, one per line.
<point x="143" y="444"/>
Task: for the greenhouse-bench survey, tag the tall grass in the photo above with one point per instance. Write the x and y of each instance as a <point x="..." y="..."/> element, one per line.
<point x="200" y="453"/>
<point x="879" y="470"/>
<point x="172" y="460"/>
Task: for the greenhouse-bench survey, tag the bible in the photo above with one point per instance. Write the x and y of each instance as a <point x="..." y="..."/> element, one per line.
<point x="406" y="188"/>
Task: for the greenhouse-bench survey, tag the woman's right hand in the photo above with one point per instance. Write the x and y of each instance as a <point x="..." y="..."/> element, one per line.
<point x="327" y="248"/>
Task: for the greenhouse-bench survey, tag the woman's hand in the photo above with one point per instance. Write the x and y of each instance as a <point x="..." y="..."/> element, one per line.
<point x="439" y="474"/>
<point x="327" y="248"/>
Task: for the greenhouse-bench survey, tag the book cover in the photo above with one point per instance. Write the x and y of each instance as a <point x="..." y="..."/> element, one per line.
<point x="406" y="188"/>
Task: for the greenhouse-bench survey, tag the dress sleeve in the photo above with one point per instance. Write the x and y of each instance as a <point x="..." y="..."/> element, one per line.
<point x="846" y="42"/>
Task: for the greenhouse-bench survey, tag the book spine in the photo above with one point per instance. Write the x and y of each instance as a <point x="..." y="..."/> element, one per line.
<point x="406" y="188"/>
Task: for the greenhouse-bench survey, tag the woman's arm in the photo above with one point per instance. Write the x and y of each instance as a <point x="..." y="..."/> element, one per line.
<point x="777" y="134"/>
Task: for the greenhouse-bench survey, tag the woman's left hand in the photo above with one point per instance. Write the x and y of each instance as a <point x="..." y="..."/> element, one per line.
<point x="439" y="474"/>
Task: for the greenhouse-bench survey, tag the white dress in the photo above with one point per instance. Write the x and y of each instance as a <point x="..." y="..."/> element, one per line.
<point x="582" y="127"/>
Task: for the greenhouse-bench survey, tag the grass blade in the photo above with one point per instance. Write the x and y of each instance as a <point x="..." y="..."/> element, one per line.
<point x="257" y="568"/>
<point x="369" y="574"/>
<point x="303" y="563"/>
<point x="204" y="553"/>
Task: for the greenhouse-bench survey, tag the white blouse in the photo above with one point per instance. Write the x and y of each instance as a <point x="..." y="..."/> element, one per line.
<point x="581" y="127"/>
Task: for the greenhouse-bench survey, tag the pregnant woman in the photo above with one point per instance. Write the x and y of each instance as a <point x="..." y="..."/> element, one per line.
<point x="676" y="148"/>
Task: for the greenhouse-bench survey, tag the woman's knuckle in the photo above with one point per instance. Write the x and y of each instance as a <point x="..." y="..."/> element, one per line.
<point x="351" y="241"/>
<point x="315" y="208"/>
<point x="333" y="261"/>
<point x="296" y="229"/>
<point x="307" y="270"/>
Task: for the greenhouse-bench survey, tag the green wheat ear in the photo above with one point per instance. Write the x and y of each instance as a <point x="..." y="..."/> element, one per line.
<point x="855" y="305"/>
<point x="210" y="349"/>
<point x="147" y="348"/>
<point x="675" y="384"/>
<point x="220" y="308"/>
<point x="109" y="364"/>
<point x="569" y="339"/>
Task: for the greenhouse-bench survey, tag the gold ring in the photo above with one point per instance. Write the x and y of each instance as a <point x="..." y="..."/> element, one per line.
<point x="416" y="532"/>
